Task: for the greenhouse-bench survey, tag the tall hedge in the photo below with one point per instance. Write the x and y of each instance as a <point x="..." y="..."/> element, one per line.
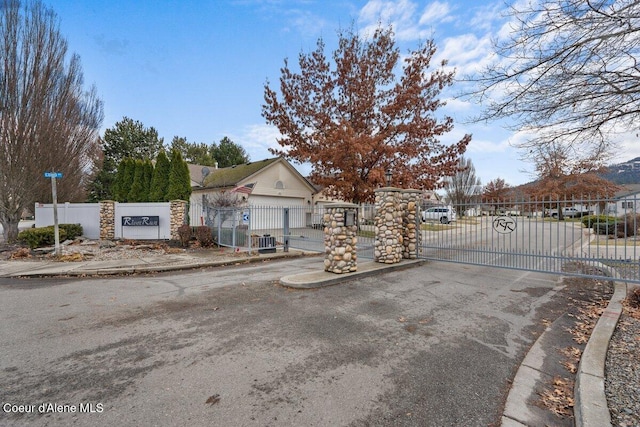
<point x="136" y="192"/>
<point x="179" y="179"/>
<point x="160" y="178"/>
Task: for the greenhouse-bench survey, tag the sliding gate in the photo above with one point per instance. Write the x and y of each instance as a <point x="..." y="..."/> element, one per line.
<point x="586" y="238"/>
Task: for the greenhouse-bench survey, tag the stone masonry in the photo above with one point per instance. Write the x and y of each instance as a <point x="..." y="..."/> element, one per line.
<point x="340" y="239"/>
<point x="410" y="207"/>
<point x="107" y="220"/>
<point x="389" y="240"/>
<point x="178" y="213"/>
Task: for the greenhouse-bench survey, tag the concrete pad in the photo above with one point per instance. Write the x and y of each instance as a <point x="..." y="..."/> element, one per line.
<point x="320" y="278"/>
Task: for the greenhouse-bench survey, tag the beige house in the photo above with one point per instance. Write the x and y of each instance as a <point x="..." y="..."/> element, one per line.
<point x="268" y="182"/>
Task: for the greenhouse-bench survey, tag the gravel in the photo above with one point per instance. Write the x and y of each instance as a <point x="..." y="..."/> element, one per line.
<point x="622" y="370"/>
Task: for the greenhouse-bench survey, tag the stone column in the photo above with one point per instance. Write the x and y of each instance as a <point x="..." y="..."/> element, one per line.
<point x="388" y="226"/>
<point x="107" y="219"/>
<point x="178" y="216"/>
<point x="340" y="238"/>
<point x="411" y="235"/>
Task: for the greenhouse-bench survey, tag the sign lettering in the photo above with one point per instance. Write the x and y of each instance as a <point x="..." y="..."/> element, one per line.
<point x="141" y="221"/>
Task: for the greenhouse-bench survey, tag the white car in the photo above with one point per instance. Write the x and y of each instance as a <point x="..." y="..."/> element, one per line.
<point x="443" y="214"/>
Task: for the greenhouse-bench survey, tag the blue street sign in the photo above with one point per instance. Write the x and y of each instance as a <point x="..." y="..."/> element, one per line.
<point x="53" y="174"/>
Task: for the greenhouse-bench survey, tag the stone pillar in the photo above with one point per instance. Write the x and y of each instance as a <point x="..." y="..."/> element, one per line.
<point x="388" y="226"/>
<point x="107" y="219"/>
<point x="178" y="216"/>
<point x="411" y="236"/>
<point x="340" y="238"/>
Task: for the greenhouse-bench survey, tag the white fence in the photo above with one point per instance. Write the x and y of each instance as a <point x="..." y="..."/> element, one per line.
<point x="88" y="215"/>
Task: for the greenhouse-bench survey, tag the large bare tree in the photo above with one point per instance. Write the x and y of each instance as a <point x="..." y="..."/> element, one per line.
<point x="567" y="72"/>
<point x="354" y="120"/>
<point x="48" y="122"/>
<point x="463" y="188"/>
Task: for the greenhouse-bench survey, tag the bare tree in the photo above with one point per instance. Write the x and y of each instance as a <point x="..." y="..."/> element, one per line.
<point x="47" y="121"/>
<point x="463" y="188"/>
<point x="567" y="73"/>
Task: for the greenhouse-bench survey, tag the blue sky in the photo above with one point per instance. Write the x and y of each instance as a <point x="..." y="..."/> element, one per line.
<point x="196" y="69"/>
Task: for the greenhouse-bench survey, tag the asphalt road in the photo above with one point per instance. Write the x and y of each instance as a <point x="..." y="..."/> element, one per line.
<point x="435" y="345"/>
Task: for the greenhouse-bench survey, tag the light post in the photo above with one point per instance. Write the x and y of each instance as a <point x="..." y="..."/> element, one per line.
<point x="388" y="175"/>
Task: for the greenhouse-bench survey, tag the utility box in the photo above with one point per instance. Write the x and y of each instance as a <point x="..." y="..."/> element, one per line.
<point x="266" y="244"/>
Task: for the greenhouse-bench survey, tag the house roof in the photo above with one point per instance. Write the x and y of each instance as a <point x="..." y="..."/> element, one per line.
<point x="628" y="190"/>
<point x="196" y="172"/>
<point x="231" y="176"/>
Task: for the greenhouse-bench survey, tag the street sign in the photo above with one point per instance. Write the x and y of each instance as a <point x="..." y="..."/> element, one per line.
<point x="53" y="174"/>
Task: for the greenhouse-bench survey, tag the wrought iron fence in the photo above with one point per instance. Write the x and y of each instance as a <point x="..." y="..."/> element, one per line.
<point x="586" y="237"/>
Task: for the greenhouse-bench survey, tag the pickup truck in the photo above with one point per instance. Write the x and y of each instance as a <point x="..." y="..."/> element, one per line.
<point x="569" y="212"/>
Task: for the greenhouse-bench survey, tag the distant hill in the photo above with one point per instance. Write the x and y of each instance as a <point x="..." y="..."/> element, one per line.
<point x="624" y="173"/>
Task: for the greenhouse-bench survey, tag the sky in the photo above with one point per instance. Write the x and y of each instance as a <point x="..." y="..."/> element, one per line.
<point x="197" y="69"/>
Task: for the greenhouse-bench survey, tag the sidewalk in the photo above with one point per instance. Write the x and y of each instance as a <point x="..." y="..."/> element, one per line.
<point x="590" y="402"/>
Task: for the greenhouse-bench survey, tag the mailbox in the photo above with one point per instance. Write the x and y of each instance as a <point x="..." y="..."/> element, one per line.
<point x="349" y="218"/>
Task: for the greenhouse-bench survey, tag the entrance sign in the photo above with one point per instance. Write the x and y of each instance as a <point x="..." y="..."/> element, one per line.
<point x="141" y="221"/>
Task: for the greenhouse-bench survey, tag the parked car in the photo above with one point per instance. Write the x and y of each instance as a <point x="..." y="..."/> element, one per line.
<point x="443" y="214"/>
<point x="570" y="212"/>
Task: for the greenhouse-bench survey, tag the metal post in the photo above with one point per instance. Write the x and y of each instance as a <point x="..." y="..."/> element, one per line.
<point x="56" y="231"/>
<point x="285" y="231"/>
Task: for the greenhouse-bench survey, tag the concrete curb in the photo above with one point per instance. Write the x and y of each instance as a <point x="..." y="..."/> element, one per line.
<point x="591" y="408"/>
<point x="58" y="270"/>
<point x="320" y="279"/>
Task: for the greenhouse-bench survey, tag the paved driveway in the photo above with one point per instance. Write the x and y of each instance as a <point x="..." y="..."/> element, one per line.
<point x="430" y="346"/>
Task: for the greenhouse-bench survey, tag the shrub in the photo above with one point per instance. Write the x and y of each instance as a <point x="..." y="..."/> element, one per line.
<point x="589" y="220"/>
<point x="204" y="236"/>
<point x="628" y="225"/>
<point x="185" y="233"/>
<point x="41" y="236"/>
<point x="607" y="228"/>
<point x="72" y="230"/>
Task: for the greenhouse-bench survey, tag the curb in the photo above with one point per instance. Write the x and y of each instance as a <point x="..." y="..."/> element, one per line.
<point x="591" y="408"/>
<point x="112" y="271"/>
<point x="590" y="402"/>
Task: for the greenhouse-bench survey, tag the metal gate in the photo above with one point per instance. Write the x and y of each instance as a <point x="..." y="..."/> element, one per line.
<point x="588" y="237"/>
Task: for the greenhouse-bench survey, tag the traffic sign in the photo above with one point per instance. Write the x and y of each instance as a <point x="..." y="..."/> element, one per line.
<point x="53" y="174"/>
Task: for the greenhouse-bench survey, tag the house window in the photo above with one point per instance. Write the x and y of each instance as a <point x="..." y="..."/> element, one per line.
<point x="279" y="185"/>
<point x="628" y="205"/>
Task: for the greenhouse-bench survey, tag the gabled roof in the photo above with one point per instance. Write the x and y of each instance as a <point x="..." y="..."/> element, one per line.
<point x="238" y="174"/>
<point x="231" y="176"/>
<point x="627" y="190"/>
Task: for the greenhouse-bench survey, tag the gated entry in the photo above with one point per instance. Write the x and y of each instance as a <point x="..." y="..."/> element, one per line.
<point x="584" y="238"/>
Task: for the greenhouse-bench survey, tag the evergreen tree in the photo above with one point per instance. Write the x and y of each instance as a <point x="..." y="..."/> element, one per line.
<point x="136" y="192"/>
<point x="179" y="179"/>
<point x="118" y="179"/>
<point x="124" y="185"/>
<point x="126" y="139"/>
<point x="160" y="178"/>
<point x="146" y="181"/>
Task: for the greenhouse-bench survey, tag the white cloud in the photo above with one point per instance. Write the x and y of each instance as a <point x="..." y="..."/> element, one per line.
<point x="256" y="140"/>
<point x="436" y="13"/>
